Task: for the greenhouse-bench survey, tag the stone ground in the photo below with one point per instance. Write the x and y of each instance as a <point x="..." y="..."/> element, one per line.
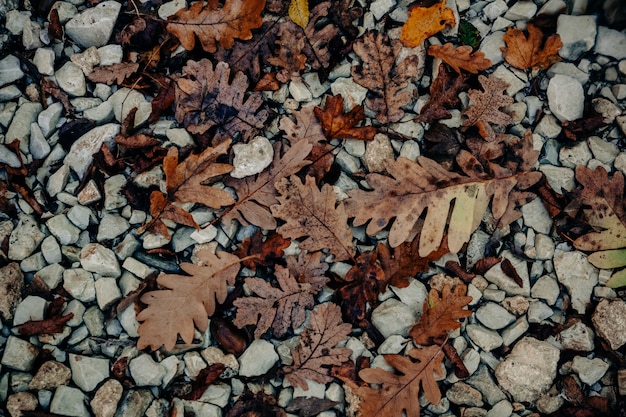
<point x="92" y="367"/>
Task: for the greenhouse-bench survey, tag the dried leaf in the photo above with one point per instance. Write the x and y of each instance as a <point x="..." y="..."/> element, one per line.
<point x="444" y="94"/>
<point x="460" y="370"/>
<point x="280" y="308"/>
<point x="399" y="392"/>
<point x="260" y="252"/>
<point x="315" y="215"/>
<point x="461" y="57"/>
<point x="289" y="57"/>
<point x="317" y="351"/>
<point x="258" y="404"/>
<point x="299" y="12"/>
<point x="309" y="268"/>
<point x="212" y="24"/>
<point x="205" y="378"/>
<point x="510" y="271"/>
<point x="186" y="300"/>
<point x="55" y="28"/>
<point x="485" y="106"/>
<point x="206" y="99"/>
<point x="440" y="315"/>
<point x="113" y="74"/>
<point x="320" y="36"/>
<point x="310" y="406"/>
<point x="423" y="22"/>
<point x="52" y="325"/>
<point x="527" y="52"/>
<point x="339" y="125"/>
<point x="381" y="73"/>
<point x="164" y="99"/>
<point x="229" y="337"/>
<point x="255" y="195"/>
<point x="343" y="13"/>
<point x="457" y="270"/>
<point x="307" y="127"/>
<point x="484" y="264"/>
<point x="50" y="87"/>
<point x="580" y="129"/>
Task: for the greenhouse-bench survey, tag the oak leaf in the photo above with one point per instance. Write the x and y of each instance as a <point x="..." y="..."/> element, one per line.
<point x="289" y="57"/>
<point x="315" y="215"/>
<point x="258" y="404"/>
<point x="212" y="24"/>
<point x="309" y="268"/>
<point x="317" y="350"/>
<point x="186" y="301"/>
<point x="113" y="74"/>
<point x="485" y="106"/>
<point x="444" y="94"/>
<point x="460" y="58"/>
<point x="344" y="13"/>
<point x="51" y="325"/>
<point x="280" y="308"/>
<point x="255" y="195"/>
<point x="528" y="52"/>
<point x="416" y="186"/>
<point x="207" y="99"/>
<point x="306" y="128"/>
<point x="321" y="36"/>
<point x="339" y="125"/>
<point x="423" y="22"/>
<point x="384" y="74"/>
<point x="605" y="211"/>
<point x="399" y="392"/>
<point x="440" y="315"/>
<point x="262" y="252"/>
<point x="299" y="12"/>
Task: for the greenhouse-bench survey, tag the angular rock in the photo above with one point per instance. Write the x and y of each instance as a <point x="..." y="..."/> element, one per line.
<point x="504" y="282"/>
<point x="10" y="70"/>
<point x="559" y="178"/>
<point x="87" y="371"/>
<point x="79" y="284"/>
<point x="71" y="79"/>
<point x="20" y="125"/>
<point x="578" y="337"/>
<point x="492" y="46"/>
<point x="353" y="93"/>
<point x="536" y="216"/>
<point x="461" y="393"/>
<point x="589" y="370"/>
<point x="11" y="287"/>
<point x="124" y="100"/>
<point x="484" y="338"/>
<point x="483" y="381"/>
<point x="609" y="320"/>
<point x="529" y="370"/>
<point x="25" y="238"/>
<point x="19" y="354"/>
<point x="106" y="399"/>
<point x="48" y="118"/>
<point x="521" y="10"/>
<point x="93" y="26"/>
<point x="69" y="401"/>
<point x="145" y="371"/>
<point x="81" y="153"/>
<point x="135" y="403"/>
<point x="514" y="331"/>
<point x="32" y="307"/>
<point x="107" y="292"/>
<point x="64" y="231"/>
<point x="611" y="42"/>
<point x="577" y="275"/>
<point x="100" y="260"/>
<point x="377" y="151"/>
<point x="21" y="401"/>
<point x="493" y="316"/>
<point x="571" y="156"/>
<point x="566" y="98"/>
<point x="111" y="226"/>
<point x="413" y="295"/>
<point x="604" y="151"/>
<point x="7" y="157"/>
<point x="252" y="158"/>
<point x="538" y="312"/>
<point x="51" y="374"/>
<point x="393" y="317"/>
<point x="578" y="34"/>
<point x="546" y="288"/>
<point x="257" y="359"/>
<point x="38" y="146"/>
<point x="44" y="61"/>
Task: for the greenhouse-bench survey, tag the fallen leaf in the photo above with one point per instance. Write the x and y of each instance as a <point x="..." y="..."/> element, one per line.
<point x="309" y="268"/>
<point x="113" y="74"/>
<point x="444" y="94"/>
<point x="257" y="404"/>
<point x="339" y="125"/>
<point x="262" y="252"/>
<point x="457" y="270"/>
<point x="50" y="325"/>
<point x="299" y="12"/>
<point x="187" y="301"/>
<point x="310" y="406"/>
<point x="485" y="106"/>
<point x="527" y="52"/>
<point x="460" y="370"/>
<point x="510" y="271"/>
<point x="288" y="56"/>
<point x="50" y="87"/>
<point x="164" y="99"/>
<point x="423" y="22"/>
<point x="55" y="28"/>
<point x="384" y="74"/>
<point x="229" y="337"/>
<point x="484" y="264"/>
<point x="212" y="24"/>
<point x="206" y="377"/>
<point x="315" y="215"/>
<point x="321" y="36"/>
<point x="460" y="58"/>
<point x="306" y="128"/>
<point x="344" y="13"/>
<point x="317" y="349"/>
<point x="580" y="129"/>
<point x="440" y="315"/>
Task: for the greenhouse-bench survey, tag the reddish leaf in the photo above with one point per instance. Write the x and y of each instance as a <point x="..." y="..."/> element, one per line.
<point x="229" y="337"/>
<point x="444" y="94"/>
<point x="456" y="269"/>
<point x="460" y="370"/>
<point x="510" y="271"/>
<point x="48" y="326"/>
<point x="162" y="101"/>
<point x="484" y="264"/>
<point x="264" y="253"/>
<point x="204" y="379"/>
<point x="339" y="125"/>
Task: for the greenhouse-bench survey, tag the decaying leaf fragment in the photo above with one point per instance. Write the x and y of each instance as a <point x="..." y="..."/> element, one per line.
<point x="440" y="315"/>
<point x="339" y="125"/>
<point x="528" y="52"/>
<point x="317" y="350"/>
<point x="444" y="94"/>
<point x="461" y="57"/>
<point x="381" y="73"/>
<point x="186" y="301"/>
<point x="113" y="74"/>
<point x="279" y="308"/>
<point x="315" y="215"/>
<point x="423" y="22"/>
<point x="212" y="24"/>
<point x="485" y="106"/>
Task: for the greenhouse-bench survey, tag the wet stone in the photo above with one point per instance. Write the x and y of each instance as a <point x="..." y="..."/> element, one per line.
<point x="11" y="287"/>
<point x="50" y="375"/>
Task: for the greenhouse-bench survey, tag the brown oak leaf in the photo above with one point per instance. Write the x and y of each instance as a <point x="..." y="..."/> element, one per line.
<point x="423" y="22"/>
<point x="315" y="215"/>
<point x="344" y="13"/>
<point x="255" y="195"/>
<point x="257" y="404"/>
<point x="339" y="125"/>
<point x="289" y="58"/>
<point x="440" y="315"/>
<point x="444" y="94"/>
<point x="317" y="350"/>
<point x="186" y="301"/>
<point x="306" y="128"/>
<point x="113" y="74"/>
<point x="485" y="106"/>
<point x="212" y="24"/>
<point x="461" y="57"/>
<point x="55" y="324"/>
<point x="320" y="36"/>
<point x="280" y="308"/>
<point x="207" y="99"/>
<point x="264" y="252"/>
<point x="310" y="406"/>
<point x="206" y="377"/>
<point x="528" y="52"/>
<point x="384" y="74"/>
<point x="309" y="268"/>
<point x="399" y="392"/>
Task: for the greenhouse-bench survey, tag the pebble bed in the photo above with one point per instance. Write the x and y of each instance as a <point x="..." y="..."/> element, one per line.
<point x="512" y="372"/>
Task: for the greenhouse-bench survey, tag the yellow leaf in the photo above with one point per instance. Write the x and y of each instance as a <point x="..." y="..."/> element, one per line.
<point x="424" y="22"/>
<point x="299" y="12"/>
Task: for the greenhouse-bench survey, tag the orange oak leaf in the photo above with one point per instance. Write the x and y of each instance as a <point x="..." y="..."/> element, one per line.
<point x="315" y="215"/>
<point x="399" y="392"/>
<point x="423" y="22"/>
<point x="440" y="315"/>
<point x="186" y="301"/>
<point x="385" y="78"/>
<point x="531" y="52"/>
<point x="339" y="125"/>
<point x="317" y="350"/>
<point x="212" y="24"/>
<point x="485" y="106"/>
<point x="113" y="74"/>
<point x="280" y="308"/>
<point x="460" y="57"/>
